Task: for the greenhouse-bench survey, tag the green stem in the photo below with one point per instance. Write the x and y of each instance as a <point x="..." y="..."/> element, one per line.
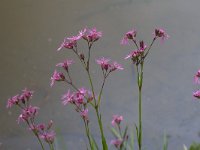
<point x="140" y="82"/>
<point x="104" y="144"/>
<point x="51" y="146"/>
<point x="36" y="134"/>
<point x="92" y="87"/>
<point x="39" y="140"/>
<point x="99" y="98"/>
<point x="87" y="131"/>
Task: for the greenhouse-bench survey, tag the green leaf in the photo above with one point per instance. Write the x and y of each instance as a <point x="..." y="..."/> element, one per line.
<point x="105" y="146"/>
<point x="165" y="143"/>
<point x="137" y="133"/>
<point x="115" y="133"/>
<point x="94" y="144"/>
<point x="132" y="140"/>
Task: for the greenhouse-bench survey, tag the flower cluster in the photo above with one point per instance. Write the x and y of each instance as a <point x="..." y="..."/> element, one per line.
<point x="20" y="99"/>
<point x="59" y="76"/>
<point x="108" y="67"/>
<point x="117" y="120"/>
<point x="79" y="99"/>
<point x="28" y="115"/>
<point x="90" y="35"/>
<point x="138" y="55"/>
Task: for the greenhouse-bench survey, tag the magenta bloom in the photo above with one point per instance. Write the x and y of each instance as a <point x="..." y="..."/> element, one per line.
<point x="13" y="101"/>
<point x="91" y="35"/>
<point x="142" y="46"/>
<point x="48" y="136"/>
<point x="57" y="76"/>
<point x="26" y="95"/>
<point x="160" y="33"/>
<point x="134" y="54"/>
<point x="65" y="64"/>
<point x="117" y="143"/>
<point x="28" y="113"/>
<point x="197" y="94"/>
<point x="130" y="35"/>
<point x="116" y="120"/>
<point x="104" y="62"/>
<point x="68" y="98"/>
<point x="196" y="77"/>
<point x="116" y="66"/>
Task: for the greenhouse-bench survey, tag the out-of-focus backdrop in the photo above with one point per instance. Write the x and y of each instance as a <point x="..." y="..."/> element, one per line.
<point x="30" y="33"/>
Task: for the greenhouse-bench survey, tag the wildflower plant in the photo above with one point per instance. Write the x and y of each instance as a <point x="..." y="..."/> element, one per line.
<point x="29" y="114"/>
<point x="138" y="57"/>
<point x="86" y="100"/>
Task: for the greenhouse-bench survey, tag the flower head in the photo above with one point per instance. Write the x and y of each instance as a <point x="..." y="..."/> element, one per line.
<point x="117" y="143"/>
<point x="65" y="64"/>
<point x="160" y="33"/>
<point x="68" y="98"/>
<point x="104" y="62"/>
<point x="91" y="35"/>
<point x="116" y="66"/>
<point x="71" y="42"/>
<point x="197" y="94"/>
<point x="130" y="35"/>
<point x="28" y="113"/>
<point x="57" y="76"/>
<point x="26" y="95"/>
<point x="116" y="120"/>
<point x="48" y="136"/>
<point x="197" y="77"/>
<point x="12" y="101"/>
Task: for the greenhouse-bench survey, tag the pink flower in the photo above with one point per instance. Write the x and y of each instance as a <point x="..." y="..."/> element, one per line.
<point x="104" y="62"/>
<point x="142" y="46"/>
<point x="134" y="54"/>
<point x="117" y="143"/>
<point x="196" y="77"/>
<point x="70" y="42"/>
<point x="57" y="77"/>
<point x="116" y="120"/>
<point x="65" y="64"/>
<point x="83" y="91"/>
<point x="130" y="35"/>
<point x="68" y="98"/>
<point x="116" y="66"/>
<point x="197" y="94"/>
<point x="160" y="33"/>
<point x="26" y="95"/>
<point x="12" y="101"/>
<point x="28" y="113"/>
<point x="84" y="114"/>
<point x="48" y="136"/>
<point x="91" y="35"/>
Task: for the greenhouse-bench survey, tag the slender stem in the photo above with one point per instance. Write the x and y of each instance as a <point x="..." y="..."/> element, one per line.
<point x="39" y="141"/>
<point x="140" y="82"/>
<point x="87" y="131"/>
<point x="99" y="98"/>
<point x="36" y="134"/>
<point x="149" y="47"/>
<point x="135" y="44"/>
<point x="92" y="87"/>
<point x="51" y="146"/>
<point x="104" y="144"/>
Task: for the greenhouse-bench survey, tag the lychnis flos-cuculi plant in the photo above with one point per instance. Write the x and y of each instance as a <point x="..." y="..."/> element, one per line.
<point x="80" y="98"/>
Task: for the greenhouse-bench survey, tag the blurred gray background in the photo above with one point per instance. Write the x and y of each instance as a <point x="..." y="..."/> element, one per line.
<point x="30" y="33"/>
